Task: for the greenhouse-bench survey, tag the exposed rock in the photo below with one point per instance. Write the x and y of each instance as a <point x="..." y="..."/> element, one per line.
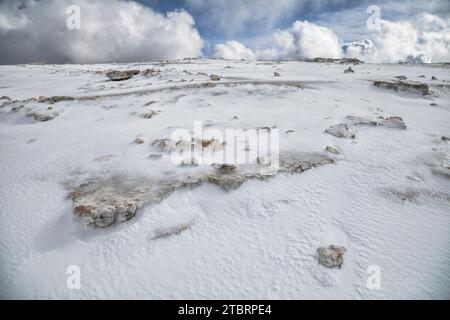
<point x="227" y="168"/>
<point x="332" y="149"/>
<point x="331" y="256"/>
<point x="404" y="86"/>
<point x="155" y="156"/>
<point x="434" y="78"/>
<point x="433" y="104"/>
<point x="43" y="115"/>
<point x="163" y="145"/>
<point x="149" y="114"/>
<point x="118" y="75"/>
<point x="422" y="76"/>
<point x="172" y="231"/>
<point x="341" y="130"/>
<point x="214" y="77"/>
<point x="401" y="77"/>
<point x="359" y="120"/>
<point x="139" y="141"/>
<point x="394" y="122"/>
<point x="290" y="131"/>
<point x="349" y="70"/>
<point x="104" y="201"/>
<point x="55" y="99"/>
<point x="276" y="74"/>
<point x="151" y="72"/>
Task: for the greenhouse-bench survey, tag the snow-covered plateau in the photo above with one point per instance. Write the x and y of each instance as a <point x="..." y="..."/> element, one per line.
<point x="88" y="188"/>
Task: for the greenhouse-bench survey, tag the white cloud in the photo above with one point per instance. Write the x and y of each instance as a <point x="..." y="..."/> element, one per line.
<point x="303" y="40"/>
<point x="233" y="50"/>
<point x="111" y="31"/>
<point x="425" y="39"/>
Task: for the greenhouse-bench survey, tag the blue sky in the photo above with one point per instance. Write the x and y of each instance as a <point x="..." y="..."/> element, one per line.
<point x="249" y="20"/>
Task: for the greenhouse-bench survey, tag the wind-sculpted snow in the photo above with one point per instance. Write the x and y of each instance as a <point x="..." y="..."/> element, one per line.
<point x="89" y="179"/>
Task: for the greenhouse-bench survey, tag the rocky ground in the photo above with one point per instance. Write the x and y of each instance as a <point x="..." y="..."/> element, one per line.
<point x="362" y="182"/>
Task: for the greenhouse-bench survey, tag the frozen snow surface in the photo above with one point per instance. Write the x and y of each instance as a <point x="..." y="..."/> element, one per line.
<point x="386" y="197"/>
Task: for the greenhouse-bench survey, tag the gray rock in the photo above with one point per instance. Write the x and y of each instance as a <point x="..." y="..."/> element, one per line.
<point x="341" y="130"/>
<point x="118" y="75"/>
<point x="151" y="72"/>
<point x="102" y="202"/>
<point x="43" y="115"/>
<point x="394" y="122"/>
<point x="214" y="77"/>
<point x="403" y="86"/>
<point x="332" y="149"/>
<point x="331" y="256"/>
<point x="359" y="120"/>
<point x="349" y="70"/>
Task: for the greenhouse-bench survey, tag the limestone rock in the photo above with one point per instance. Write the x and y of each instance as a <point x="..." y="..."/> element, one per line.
<point x="331" y="256"/>
<point x="341" y="130"/>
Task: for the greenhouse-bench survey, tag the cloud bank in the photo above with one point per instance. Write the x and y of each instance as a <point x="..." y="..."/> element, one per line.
<point x="111" y="31"/>
<point x="426" y="39"/>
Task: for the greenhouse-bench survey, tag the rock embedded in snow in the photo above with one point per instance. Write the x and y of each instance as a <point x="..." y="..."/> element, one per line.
<point x="332" y="149"/>
<point x="43" y="115"/>
<point x="139" y="141"/>
<point x="341" y="130"/>
<point x="403" y="86"/>
<point x="151" y="72"/>
<point x="349" y="70"/>
<point x="214" y="77"/>
<point x="118" y="75"/>
<point x="149" y="114"/>
<point x="171" y="231"/>
<point x="401" y="77"/>
<point x="359" y="120"/>
<point x="54" y="99"/>
<point x="394" y="122"/>
<point x="331" y="256"/>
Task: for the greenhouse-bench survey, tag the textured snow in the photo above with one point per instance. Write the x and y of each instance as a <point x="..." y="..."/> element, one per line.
<point x="385" y="199"/>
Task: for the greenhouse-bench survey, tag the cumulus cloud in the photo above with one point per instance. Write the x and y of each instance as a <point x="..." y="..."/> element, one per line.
<point x="111" y="31"/>
<point x="302" y="40"/>
<point x="233" y="50"/>
<point x="425" y="39"/>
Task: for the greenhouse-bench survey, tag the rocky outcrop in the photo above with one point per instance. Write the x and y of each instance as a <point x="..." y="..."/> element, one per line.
<point x="331" y="256"/>
<point x="102" y="202"/>
<point x="403" y="86"/>
<point x="118" y="75"/>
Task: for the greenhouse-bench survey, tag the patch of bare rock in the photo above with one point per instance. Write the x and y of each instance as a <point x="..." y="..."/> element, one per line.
<point x="403" y="86"/>
<point x="102" y="202"/>
<point x="121" y="75"/>
<point x="331" y="256"/>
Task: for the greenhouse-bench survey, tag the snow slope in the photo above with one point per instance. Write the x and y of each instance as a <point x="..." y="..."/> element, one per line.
<point x="380" y="199"/>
